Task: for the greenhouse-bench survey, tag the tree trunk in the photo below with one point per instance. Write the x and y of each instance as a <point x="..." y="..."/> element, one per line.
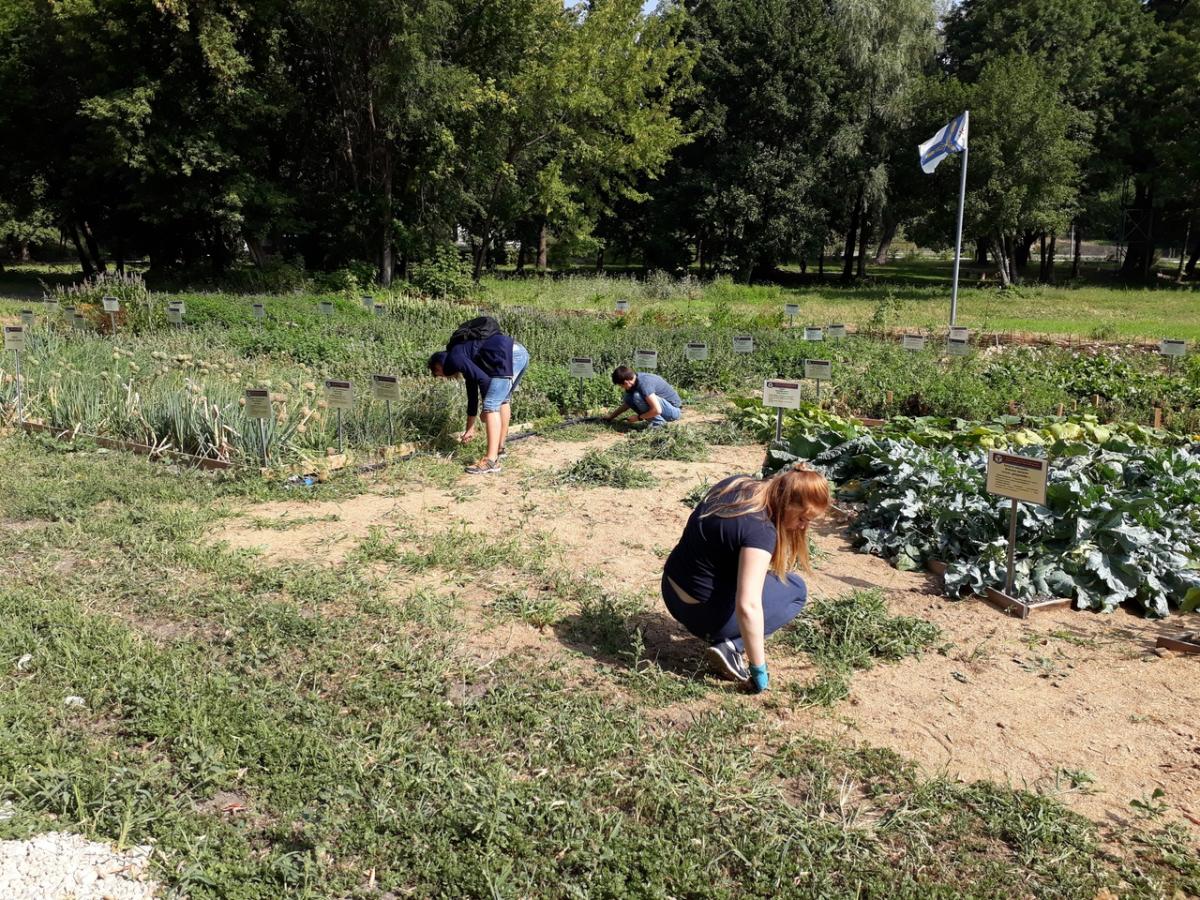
<point x="93" y="248"/>
<point x="542" y="249"/>
<point x="700" y="255"/>
<point x="522" y="256"/>
<point x="885" y="239"/>
<point x="1139" y="248"/>
<point x="981" y="251"/>
<point x="1042" y="259"/>
<point x="1183" y="251"/>
<point x="385" y="237"/>
<point x="1020" y="251"/>
<point x="1001" y="255"/>
<point x="23" y="251"/>
<point x="803" y="265"/>
<point x="821" y="263"/>
<point x="257" y="255"/>
<point x="1050" y="276"/>
<point x="479" y="256"/>
<point x="600" y="261"/>
<point x="864" y="234"/>
<point x="851" y="236"/>
<point x="1078" y="251"/>
<point x="1190" y="269"/>
<point x="85" y="262"/>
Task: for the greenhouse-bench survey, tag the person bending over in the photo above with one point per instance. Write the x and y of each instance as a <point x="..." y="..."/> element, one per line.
<point x="729" y="580"/>
<point x="649" y="396"/>
<point x="492" y="368"/>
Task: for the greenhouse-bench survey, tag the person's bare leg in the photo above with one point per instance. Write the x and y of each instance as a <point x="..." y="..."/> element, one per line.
<point x="505" y="418"/>
<point x="491" y="421"/>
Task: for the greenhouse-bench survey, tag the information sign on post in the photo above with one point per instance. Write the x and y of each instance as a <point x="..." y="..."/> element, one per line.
<point x="696" y="351"/>
<point x="380" y="310"/>
<point x="27" y="318"/>
<point x="581" y="367"/>
<point x="814" y="333"/>
<point x="621" y="306"/>
<point x="959" y="333"/>
<point x="175" y="311"/>
<point x="14" y="338"/>
<point x="387" y="389"/>
<point x="818" y="370"/>
<point x="836" y="332"/>
<point x="260" y="311"/>
<point x="51" y="305"/>
<point x="958" y="347"/>
<point x="743" y="343"/>
<point x="368" y="302"/>
<point x="1169" y="347"/>
<point x="112" y="306"/>
<point x="326" y="308"/>
<point x="645" y="360"/>
<point x="782" y="395"/>
<point x="1023" y="480"/>
<point x="791" y="310"/>
<point x="340" y="396"/>
<point x="258" y="407"/>
<point x="913" y="342"/>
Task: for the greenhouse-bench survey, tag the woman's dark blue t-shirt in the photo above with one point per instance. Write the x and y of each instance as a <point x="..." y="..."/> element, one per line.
<point x="705" y="561"/>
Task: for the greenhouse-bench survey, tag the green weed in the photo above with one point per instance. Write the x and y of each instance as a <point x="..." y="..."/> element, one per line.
<point x="604" y="468"/>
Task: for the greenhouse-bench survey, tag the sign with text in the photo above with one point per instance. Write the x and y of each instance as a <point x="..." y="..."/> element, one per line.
<point x="14" y="338"/>
<point x="51" y="305"/>
<point x="781" y="394"/>
<point x="743" y="343"/>
<point x="813" y="333"/>
<point x="913" y="342"/>
<point x="175" y="315"/>
<point x="958" y="333"/>
<point x="27" y="317"/>
<point x="380" y="311"/>
<point x="111" y="304"/>
<point x="622" y="306"/>
<point x="368" y="303"/>
<point x="645" y="360"/>
<point x="258" y="403"/>
<point x="326" y="308"/>
<point x="581" y="367"/>
<point x="958" y="347"/>
<point x="818" y="369"/>
<point x="836" y="332"/>
<point x="791" y="310"/>
<point x="1018" y="477"/>
<point x="260" y="311"/>
<point x="696" y="351"/>
<point x="385" y="387"/>
<point x="1169" y="347"/>
<point x="339" y="394"/>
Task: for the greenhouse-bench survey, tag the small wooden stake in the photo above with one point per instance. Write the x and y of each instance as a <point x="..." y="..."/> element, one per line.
<point x="1158" y="417"/>
<point x="1012" y="407"/>
<point x="1096" y="400"/>
<point x="1060" y="410"/>
<point x="889" y="398"/>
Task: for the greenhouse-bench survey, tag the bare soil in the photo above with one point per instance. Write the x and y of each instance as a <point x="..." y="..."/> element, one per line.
<point x="1065" y="696"/>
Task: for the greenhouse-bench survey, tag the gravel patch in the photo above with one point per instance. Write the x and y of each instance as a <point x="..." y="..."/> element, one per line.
<point x="57" y="866"/>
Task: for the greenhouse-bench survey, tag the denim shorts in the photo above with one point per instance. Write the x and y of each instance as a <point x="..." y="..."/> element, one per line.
<point x="500" y="390"/>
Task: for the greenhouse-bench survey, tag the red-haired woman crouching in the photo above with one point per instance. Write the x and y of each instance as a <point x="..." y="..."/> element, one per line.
<point x="729" y="580"/>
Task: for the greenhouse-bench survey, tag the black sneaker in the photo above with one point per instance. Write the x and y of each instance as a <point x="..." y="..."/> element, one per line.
<point x="727" y="661"/>
<point x="485" y="466"/>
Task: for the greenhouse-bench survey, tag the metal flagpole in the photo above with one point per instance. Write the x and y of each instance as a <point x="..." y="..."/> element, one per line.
<point x="962" y="199"/>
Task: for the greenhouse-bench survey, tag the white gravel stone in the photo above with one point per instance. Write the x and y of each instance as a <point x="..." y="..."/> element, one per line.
<point x="62" y="866"/>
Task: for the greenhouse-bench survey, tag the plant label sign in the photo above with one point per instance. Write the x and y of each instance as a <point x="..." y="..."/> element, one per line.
<point x="743" y="343"/>
<point x="27" y="317"/>
<point x="622" y="306"/>
<point x="581" y="367"/>
<point x="368" y="303"/>
<point x="385" y="387"/>
<point x="818" y="369"/>
<point x="791" y="310"/>
<point x="339" y="394"/>
<point x="1017" y="477"/>
<point x="958" y="347"/>
<point x="1168" y="347"/>
<point x="836" y="332"/>
<point x="380" y="311"/>
<point x="646" y="360"/>
<point x="696" y="351"/>
<point x="258" y="403"/>
<point x="260" y="311"/>
<point x="814" y="333"/>
<point x="111" y="304"/>
<point x="14" y="338"/>
<point x="913" y="342"/>
<point x="958" y="333"/>
<point x="69" y="312"/>
<point x="781" y="394"/>
<point x="51" y="305"/>
<point x="175" y="312"/>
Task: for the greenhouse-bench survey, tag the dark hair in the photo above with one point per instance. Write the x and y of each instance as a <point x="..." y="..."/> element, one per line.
<point x="623" y="373"/>
<point x="438" y="359"/>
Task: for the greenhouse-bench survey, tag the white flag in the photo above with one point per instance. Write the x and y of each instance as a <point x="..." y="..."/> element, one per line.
<point x="951" y="139"/>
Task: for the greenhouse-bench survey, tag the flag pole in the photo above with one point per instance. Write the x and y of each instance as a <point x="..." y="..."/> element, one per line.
<point x="962" y="199"/>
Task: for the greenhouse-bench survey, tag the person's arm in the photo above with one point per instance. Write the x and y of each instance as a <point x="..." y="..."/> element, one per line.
<point x="623" y="408"/>
<point x="753" y="564"/>
<point x="654" y="410"/>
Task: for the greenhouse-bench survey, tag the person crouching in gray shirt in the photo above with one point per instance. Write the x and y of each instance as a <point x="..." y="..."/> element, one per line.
<point x="647" y="395"/>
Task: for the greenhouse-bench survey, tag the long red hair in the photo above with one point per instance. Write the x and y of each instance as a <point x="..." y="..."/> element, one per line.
<point x="798" y="489"/>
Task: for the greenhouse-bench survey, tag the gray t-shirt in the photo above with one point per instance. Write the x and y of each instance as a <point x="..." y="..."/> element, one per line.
<point x="648" y="383"/>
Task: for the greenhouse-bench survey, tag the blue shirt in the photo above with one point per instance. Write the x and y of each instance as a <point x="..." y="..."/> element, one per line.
<point x="705" y="561"/>
<point x="479" y="362"/>
<point x="648" y="383"/>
